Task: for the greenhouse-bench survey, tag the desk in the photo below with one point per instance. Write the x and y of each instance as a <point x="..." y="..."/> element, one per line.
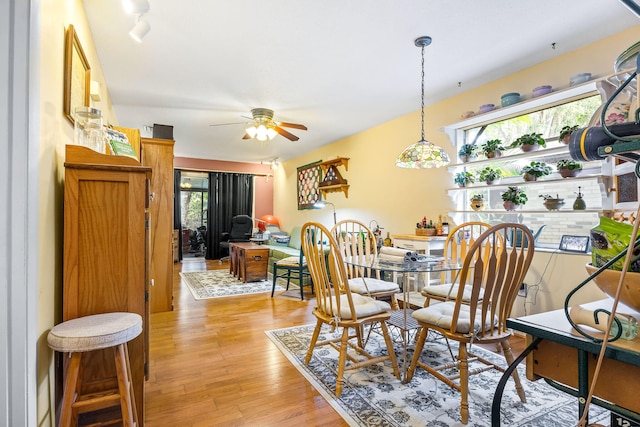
<point x="563" y="357"/>
<point x="403" y="320"/>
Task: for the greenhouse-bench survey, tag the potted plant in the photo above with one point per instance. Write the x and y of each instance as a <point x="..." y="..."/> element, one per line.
<point x="565" y="133"/>
<point x="513" y="198"/>
<point x="535" y="170"/>
<point x="552" y="203"/>
<point x="468" y="152"/>
<point x="490" y="175"/>
<point x="529" y="142"/>
<point x="492" y="148"/>
<point x="464" y="178"/>
<point x="568" y="168"/>
<point x="477" y="202"/>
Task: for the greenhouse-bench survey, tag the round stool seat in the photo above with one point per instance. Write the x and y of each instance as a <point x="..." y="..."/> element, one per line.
<point x="95" y="332"/>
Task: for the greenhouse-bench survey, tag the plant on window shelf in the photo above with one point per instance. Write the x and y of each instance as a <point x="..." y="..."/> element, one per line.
<point x="529" y="142"/>
<point x="468" y="152"/>
<point x="565" y="133"/>
<point x="464" y="178"/>
<point x="490" y="175"/>
<point x="535" y="170"/>
<point x="513" y="198"/>
<point x="477" y="202"/>
<point x="568" y="168"/>
<point x="492" y="148"/>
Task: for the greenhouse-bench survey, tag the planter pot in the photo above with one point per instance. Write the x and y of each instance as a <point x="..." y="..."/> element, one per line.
<point x="529" y="147"/>
<point x="477" y="205"/>
<point x="492" y="181"/>
<point x="569" y="173"/>
<point x="553" y="204"/>
<point x="566" y="139"/>
<point x="493" y="154"/>
<point x="510" y="206"/>
<point x="468" y="158"/>
<point x="529" y="177"/>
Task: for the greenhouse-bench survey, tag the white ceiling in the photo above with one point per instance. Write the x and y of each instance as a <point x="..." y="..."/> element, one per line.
<point x="337" y="66"/>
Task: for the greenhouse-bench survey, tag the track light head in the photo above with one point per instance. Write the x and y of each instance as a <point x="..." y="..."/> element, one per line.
<point x="140" y="30"/>
<point x="135" y="7"/>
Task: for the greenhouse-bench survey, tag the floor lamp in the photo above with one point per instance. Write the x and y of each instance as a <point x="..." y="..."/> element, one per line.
<point x="322" y="203"/>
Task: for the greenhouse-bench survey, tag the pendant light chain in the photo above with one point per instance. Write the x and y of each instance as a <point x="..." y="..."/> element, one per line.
<point x="422" y="104"/>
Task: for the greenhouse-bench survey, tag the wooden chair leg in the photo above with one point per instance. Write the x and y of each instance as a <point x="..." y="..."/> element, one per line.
<point x="422" y="337"/>
<point x="312" y="343"/>
<point x="508" y="355"/>
<point x="124" y="386"/>
<point x="133" y="395"/>
<point x="342" y="360"/>
<point x="301" y="282"/>
<point x="70" y="389"/>
<point x="464" y="382"/>
<point x="392" y="353"/>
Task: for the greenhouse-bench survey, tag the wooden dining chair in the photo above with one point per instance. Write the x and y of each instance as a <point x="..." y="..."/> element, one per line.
<point x="356" y="239"/>
<point x="497" y="272"/>
<point x="456" y="247"/>
<point x="339" y="308"/>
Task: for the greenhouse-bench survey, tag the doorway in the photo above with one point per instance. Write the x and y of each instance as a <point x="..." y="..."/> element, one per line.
<point x="194" y="200"/>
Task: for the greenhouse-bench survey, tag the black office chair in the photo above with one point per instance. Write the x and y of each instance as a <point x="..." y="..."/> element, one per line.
<point x="241" y="230"/>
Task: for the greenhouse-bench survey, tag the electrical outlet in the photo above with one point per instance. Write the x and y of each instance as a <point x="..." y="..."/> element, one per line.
<point x="522" y="291"/>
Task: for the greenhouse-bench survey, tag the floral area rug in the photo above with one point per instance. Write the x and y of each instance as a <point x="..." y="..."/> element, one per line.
<point x="219" y="283"/>
<point x="372" y="396"/>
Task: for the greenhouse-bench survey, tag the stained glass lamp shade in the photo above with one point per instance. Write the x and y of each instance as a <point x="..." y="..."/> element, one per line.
<point x="422" y="155"/>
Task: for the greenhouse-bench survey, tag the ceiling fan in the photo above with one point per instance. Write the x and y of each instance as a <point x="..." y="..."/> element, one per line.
<point x="264" y="127"/>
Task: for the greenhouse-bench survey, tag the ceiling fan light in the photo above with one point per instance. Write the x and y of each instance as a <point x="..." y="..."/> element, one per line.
<point x="251" y="131"/>
<point x="140" y="30"/>
<point x="261" y="133"/>
<point x="271" y="133"/>
<point x="137" y="7"/>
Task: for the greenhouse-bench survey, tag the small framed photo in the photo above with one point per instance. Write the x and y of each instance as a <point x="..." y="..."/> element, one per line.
<point x="574" y="243"/>
<point x="77" y="75"/>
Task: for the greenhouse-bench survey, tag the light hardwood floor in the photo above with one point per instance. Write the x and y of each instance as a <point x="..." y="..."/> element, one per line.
<point x="212" y="365"/>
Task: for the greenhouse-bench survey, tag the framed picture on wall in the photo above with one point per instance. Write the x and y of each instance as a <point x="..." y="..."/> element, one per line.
<point x="77" y="75"/>
<point x="309" y="177"/>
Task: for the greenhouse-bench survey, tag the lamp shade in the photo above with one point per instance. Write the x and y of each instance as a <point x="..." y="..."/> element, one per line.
<point x="422" y="155"/>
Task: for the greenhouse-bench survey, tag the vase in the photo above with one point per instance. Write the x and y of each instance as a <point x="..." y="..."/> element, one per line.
<point x="569" y="173"/>
<point x="529" y="147"/>
<point x="510" y="206"/>
<point x="477" y="205"/>
<point x="579" y="204"/>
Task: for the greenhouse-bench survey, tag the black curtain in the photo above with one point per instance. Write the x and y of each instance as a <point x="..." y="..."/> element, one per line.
<point x="230" y="194"/>
<point x="177" y="208"/>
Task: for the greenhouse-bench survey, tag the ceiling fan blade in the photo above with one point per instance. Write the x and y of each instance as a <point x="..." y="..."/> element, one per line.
<point x="286" y="134"/>
<point x="233" y="123"/>
<point x="246" y="136"/>
<point x="292" y="125"/>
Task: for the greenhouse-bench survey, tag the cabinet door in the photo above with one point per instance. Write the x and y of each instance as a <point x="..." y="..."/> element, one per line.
<point x="158" y="154"/>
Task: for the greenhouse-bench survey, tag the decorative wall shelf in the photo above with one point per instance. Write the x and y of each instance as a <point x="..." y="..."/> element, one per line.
<point x="332" y="181"/>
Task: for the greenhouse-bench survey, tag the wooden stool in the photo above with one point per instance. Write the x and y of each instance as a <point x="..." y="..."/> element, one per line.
<point x="90" y="333"/>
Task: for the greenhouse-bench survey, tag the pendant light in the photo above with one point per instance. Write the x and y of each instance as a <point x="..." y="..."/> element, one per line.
<point x="423" y="154"/>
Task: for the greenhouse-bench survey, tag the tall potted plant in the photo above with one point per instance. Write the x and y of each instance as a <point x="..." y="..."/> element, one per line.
<point x="529" y="142"/>
<point x="535" y="170"/>
<point x="513" y="198"/>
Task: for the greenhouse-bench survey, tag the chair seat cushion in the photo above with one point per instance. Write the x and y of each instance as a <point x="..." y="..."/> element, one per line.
<point x="292" y="261"/>
<point x="446" y="291"/>
<point x="441" y="315"/>
<point x="364" y="306"/>
<point x="357" y="285"/>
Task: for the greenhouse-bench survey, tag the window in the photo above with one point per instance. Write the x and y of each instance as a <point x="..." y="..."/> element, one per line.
<point x="547" y="119"/>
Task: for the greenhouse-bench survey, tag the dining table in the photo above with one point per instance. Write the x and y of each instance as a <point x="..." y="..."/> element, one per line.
<point x="401" y="318"/>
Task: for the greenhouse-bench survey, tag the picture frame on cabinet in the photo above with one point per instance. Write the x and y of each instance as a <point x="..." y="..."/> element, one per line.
<point x="574" y="243"/>
<point x="77" y="75"/>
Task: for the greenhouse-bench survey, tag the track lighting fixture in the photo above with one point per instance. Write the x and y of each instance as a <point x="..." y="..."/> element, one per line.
<point x="135" y="7"/>
<point x="140" y="30"/>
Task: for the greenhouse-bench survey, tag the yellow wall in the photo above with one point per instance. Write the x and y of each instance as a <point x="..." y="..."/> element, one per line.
<point x="397" y="198"/>
<point x="55" y="133"/>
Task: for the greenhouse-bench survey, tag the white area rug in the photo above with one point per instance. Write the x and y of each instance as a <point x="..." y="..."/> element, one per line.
<point x="219" y="283"/>
<point x="372" y="396"/>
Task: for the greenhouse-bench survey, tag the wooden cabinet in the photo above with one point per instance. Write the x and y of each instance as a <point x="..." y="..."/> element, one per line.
<point x="158" y="155"/>
<point x="105" y="255"/>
